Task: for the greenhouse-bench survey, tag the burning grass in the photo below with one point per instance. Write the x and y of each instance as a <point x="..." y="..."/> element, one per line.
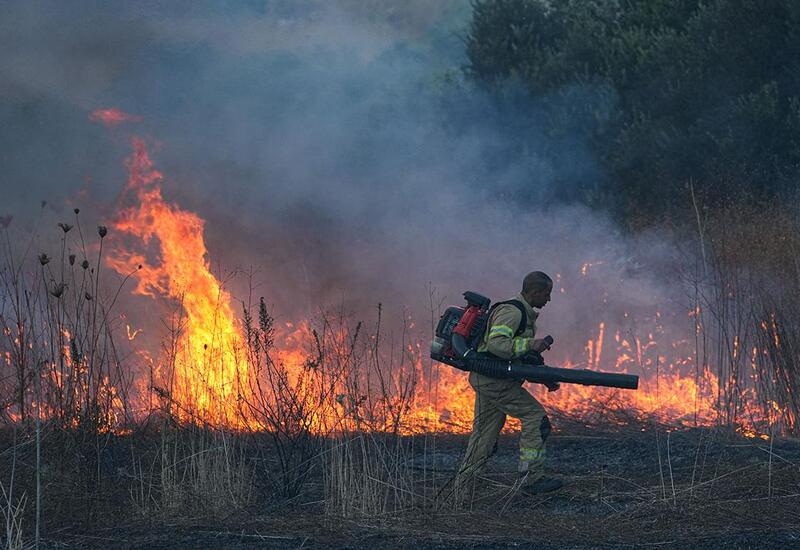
<point x="333" y="373"/>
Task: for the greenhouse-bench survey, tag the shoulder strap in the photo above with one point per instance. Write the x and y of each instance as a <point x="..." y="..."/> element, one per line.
<point x="523" y="324"/>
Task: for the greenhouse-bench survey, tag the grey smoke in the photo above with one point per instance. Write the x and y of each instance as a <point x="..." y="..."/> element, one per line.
<point x="336" y="145"/>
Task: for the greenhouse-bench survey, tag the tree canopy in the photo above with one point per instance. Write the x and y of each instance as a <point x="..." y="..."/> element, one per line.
<point x="672" y="91"/>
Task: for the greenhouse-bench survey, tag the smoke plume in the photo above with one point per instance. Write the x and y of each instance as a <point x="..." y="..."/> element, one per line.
<point x="334" y="146"/>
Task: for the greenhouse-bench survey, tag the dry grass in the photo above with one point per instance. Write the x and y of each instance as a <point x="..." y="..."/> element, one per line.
<point x="59" y="336"/>
<point x="746" y="289"/>
<point x="13" y="511"/>
<point x="193" y="473"/>
<point x="370" y="475"/>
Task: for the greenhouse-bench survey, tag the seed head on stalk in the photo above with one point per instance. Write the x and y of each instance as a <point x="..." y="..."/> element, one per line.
<point x="58" y="290"/>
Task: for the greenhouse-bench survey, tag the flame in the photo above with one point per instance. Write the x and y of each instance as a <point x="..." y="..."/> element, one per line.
<point x="751" y="434"/>
<point x="112" y="117"/>
<point x="132" y="334"/>
<point x="207" y="375"/>
<point x="671" y="391"/>
<point x="587" y="265"/>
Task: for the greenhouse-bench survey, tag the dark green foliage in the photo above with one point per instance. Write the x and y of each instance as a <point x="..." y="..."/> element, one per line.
<point x="703" y="91"/>
<point x="510" y="37"/>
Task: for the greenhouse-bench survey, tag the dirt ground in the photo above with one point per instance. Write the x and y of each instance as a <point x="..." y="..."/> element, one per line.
<point x="629" y="488"/>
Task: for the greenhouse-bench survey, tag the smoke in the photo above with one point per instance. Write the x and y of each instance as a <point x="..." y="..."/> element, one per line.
<point x="333" y="145"/>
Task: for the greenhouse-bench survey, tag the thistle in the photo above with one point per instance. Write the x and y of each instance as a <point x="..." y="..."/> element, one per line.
<point x="58" y="290"/>
<point x="102" y="230"/>
<point x="43" y="259"/>
<point x="85" y="264"/>
<point x="65" y="227"/>
<point x="72" y="259"/>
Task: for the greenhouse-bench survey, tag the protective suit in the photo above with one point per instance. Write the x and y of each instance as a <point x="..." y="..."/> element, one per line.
<point x="496" y="399"/>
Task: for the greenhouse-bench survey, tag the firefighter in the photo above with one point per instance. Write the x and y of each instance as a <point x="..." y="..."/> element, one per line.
<point x="496" y="399"/>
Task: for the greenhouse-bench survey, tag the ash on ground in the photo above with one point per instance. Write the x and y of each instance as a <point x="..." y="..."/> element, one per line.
<point x="630" y="487"/>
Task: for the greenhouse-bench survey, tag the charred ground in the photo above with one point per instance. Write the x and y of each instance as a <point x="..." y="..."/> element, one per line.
<point x="635" y="486"/>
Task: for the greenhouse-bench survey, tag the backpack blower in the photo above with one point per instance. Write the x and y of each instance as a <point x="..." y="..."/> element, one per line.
<point x="461" y="329"/>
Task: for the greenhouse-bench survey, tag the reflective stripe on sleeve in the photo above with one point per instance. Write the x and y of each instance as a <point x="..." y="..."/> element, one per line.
<point x="520" y="344"/>
<point x="501" y="330"/>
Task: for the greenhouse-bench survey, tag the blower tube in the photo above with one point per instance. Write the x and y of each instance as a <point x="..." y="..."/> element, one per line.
<point x="504" y="369"/>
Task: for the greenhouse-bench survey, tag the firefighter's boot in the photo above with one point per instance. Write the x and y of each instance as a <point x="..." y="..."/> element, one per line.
<point x="542" y="485"/>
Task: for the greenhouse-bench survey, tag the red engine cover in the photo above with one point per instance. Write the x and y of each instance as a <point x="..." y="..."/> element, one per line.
<point x="464" y="326"/>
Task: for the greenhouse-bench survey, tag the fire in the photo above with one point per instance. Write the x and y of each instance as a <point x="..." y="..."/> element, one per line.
<point x="207" y="375"/>
<point x="210" y="376"/>
<point x="112" y="117"/>
<point x="339" y="378"/>
<point x="587" y="265"/>
<point x="750" y="434"/>
<point x="670" y="391"/>
<point x="132" y="334"/>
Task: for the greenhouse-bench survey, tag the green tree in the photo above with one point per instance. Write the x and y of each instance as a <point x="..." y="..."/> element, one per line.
<point x="703" y="91"/>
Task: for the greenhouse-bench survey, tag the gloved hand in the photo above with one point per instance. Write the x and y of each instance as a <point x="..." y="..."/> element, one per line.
<point x="552" y="386"/>
<point x="541" y="344"/>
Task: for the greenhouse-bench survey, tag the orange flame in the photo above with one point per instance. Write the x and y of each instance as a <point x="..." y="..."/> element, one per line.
<point x="112" y="117"/>
<point x="208" y="375"/>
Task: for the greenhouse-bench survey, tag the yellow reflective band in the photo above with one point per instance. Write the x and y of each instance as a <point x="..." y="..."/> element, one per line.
<point x="520" y="345"/>
<point x="527" y="453"/>
<point x="501" y="329"/>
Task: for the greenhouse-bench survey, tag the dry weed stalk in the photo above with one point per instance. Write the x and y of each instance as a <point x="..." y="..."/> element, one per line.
<point x="347" y="384"/>
<point x="368" y="467"/>
<point x="195" y="471"/>
<point x="369" y="474"/>
<point x="293" y="405"/>
<point x="58" y="341"/>
<point x="746" y="294"/>
<point x="57" y="331"/>
<point x="13" y="511"/>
